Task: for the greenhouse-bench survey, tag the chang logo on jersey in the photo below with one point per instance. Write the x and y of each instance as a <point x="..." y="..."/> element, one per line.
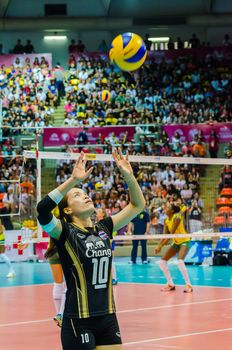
<point x="95" y="247"/>
<point x="98" y="253"/>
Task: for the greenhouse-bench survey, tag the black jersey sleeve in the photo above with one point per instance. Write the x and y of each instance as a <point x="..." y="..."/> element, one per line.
<point x="44" y="208"/>
<point x="108" y="225"/>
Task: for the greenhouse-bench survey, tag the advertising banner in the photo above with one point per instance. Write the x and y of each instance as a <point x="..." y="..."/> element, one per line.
<point x="187" y="132"/>
<point x="54" y="137"/>
<point x="8" y="60"/>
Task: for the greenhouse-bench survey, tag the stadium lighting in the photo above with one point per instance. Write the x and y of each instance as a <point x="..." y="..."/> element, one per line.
<point x="162" y="39"/>
<point x="55" y="37"/>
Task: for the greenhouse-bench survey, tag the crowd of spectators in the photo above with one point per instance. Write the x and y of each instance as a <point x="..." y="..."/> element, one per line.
<point x="29" y="94"/>
<point x="161" y="184"/>
<point x="17" y="184"/>
<point x="187" y="90"/>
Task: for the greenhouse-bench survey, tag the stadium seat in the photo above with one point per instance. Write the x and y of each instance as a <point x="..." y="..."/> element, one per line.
<point x="226" y="192"/>
<point x="230" y="201"/>
<point x="224" y="210"/>
<point x="219" y="221"/>
<point x="1" y="196"/>
<point x="223" y="201"/>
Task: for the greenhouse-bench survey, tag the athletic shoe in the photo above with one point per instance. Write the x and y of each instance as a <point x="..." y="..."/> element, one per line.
<point x="145" y="262"/>
<point x="58" y="319"/>
<point x="131" y="262"/>
<point x="168" y="288"/>
<point x="114" y="282"/>
<point x="11" y="274"/>
<point x="188" y="289"/>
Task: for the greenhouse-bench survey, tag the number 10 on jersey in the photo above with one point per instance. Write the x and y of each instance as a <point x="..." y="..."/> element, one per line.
<point x="100" y="272"/>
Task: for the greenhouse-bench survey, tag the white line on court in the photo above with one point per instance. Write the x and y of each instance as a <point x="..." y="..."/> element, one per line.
<point x="160" y="346"/>
<point x="28" y="285"/>
<point x="24" y="322"/>
<point x="174" y="305"/>
<point x="177" y="285"/>
<point x="178" y="336"/>
<point x="125" y="311"/>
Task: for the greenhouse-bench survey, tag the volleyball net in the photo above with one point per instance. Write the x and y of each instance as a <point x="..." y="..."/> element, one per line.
<point x="201" y="187"/>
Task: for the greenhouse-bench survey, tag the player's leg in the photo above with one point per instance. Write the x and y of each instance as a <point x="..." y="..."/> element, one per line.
<point x="58" y="292"/>
<point x="75" y="334"/>
<point x="134" y="251"/>
<point x="108" y="333"/>
<point x="184" y="247"/>
<point x="144" y="250"/>
<point x="172" y="251"/>
<point x="4" y="258"/>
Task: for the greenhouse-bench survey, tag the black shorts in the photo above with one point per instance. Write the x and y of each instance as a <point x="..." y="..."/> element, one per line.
<point x="87" y="333"/>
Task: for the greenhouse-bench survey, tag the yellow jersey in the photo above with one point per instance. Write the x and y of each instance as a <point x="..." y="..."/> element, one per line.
<point x="180" y="228"/>
<point x="2" y="236"/>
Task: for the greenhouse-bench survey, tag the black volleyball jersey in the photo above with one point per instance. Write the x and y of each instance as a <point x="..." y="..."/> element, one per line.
<point x="86" y="259"/>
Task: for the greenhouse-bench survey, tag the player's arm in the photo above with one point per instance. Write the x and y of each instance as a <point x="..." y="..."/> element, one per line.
<point x="176" y="223"/>
<point x="49" y="223"/>
<point x="163" y="241"/>
<point x="137" y="201"/>
<point x="130" y="228"/>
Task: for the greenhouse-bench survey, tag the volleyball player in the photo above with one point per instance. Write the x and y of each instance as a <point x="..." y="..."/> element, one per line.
<point x="174" y="224"/>
<point x="89" y="320"/>
<point x="3" y="257"/>
<point x="59" y="285"/>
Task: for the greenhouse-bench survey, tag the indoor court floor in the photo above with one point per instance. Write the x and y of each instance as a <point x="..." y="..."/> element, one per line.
<point x="149" y="318"/>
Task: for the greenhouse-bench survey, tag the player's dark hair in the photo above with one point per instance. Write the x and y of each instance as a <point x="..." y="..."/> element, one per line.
<point x="175" y="208"/>
<point x="62" y="205"/>
<point x="52" y="249"/>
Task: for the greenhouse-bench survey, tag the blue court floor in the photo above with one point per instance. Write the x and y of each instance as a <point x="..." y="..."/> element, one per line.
<point x="39" y="273"/>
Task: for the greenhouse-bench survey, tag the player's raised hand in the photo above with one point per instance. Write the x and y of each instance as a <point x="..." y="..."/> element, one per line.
<point x="79" y="172"/>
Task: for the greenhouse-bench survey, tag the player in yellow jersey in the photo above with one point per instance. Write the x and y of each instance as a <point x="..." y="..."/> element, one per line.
<point x="174" y="224"/>
<point x="3" y="256"/>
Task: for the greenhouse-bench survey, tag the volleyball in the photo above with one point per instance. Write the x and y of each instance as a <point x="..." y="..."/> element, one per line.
<point x="105" y="95"/>
<point x="128" y="51"/>
<point x="98" y="186"/>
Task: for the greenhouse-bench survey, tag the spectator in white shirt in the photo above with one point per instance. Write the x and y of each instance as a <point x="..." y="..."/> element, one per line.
<point x="186" y="192"/>
<point x="168" y="171"/>
<point x="180" y="182"/>
<point x="83" y="75"/>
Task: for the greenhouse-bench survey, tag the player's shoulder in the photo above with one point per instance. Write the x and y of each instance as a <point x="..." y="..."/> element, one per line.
<point x="178" y="215"/>
<point x="106" y="225"/>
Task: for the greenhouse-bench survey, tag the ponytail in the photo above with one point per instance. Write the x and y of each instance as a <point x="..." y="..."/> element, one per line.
<point x="52" y="249"/>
